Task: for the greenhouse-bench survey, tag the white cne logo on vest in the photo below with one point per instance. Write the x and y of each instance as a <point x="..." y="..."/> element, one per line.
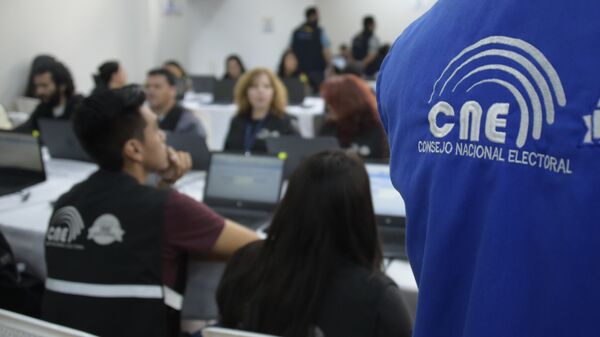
<point x="106" y="230"/>
<point x="65" y="227"/>
<point x="540" y="78"/>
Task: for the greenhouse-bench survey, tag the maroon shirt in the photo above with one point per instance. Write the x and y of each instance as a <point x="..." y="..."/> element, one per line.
<point x="191" y="228"/>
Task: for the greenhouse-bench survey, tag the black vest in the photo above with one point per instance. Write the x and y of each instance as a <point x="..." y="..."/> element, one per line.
<point x="360" y="45"/>
<point x="307" y="46"/>
<point x="103" y="254"/>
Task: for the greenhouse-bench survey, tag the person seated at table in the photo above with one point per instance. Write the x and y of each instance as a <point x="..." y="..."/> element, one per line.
<point x="111" y="75"/>
<point x="116" y="250"/>
<point x="55" y="88"/>
<point x="353" y="116"/>
<point x="184" y="83"/>
<point x="320" y="267"/>
<point x="161" y="93"/>
<point x="261" y="99"/>
<point x="288" y="68"/>
<point x="234" y="68"/>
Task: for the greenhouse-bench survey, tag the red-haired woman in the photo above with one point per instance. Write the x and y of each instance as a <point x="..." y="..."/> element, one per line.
<point x="353" y="116"/>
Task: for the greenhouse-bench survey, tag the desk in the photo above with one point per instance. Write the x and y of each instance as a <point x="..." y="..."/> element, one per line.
<point x="216" y="117"/>
<point x="24" y="222"/>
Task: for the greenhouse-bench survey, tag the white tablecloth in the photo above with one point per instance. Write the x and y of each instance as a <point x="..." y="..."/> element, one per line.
<point x="216" y="118"/>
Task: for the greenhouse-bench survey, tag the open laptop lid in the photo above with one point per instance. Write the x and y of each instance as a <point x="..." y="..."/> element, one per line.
<point x="59" y="137"/>
<point x="387" y="202"/>
<point x="296" y="91"/>
<point x="223" y="91"/>
<point x="243" y="182"/>
<point x="21" y="163"/>
<point x="194" y="145"/>
<point x="204" y="83"/>
<point x="297" y="149"/>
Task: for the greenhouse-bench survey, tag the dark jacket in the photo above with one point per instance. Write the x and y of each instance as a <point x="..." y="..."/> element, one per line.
<point x="368" y="142"/>
<point x="357" y="302"/>
<point x="45" y="111"/>
<point x="272" y="126"/>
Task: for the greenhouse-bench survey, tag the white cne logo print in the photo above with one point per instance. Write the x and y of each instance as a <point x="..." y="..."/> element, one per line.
<point x="521" y="53"/>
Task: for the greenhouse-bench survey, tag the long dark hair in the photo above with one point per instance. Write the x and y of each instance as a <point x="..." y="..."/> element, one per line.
<point x="326" y="215"/>
<point x="38" y="61"/>
<point x="237" y="59"/>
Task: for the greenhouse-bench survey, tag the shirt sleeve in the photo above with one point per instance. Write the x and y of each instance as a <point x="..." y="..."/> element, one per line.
<point x="325" y="40"/>
<point x="374" y="44"/>
<point x="393" y="316"/>
<point x="190" y="226"/>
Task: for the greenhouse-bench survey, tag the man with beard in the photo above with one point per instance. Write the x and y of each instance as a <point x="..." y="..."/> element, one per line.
<point x="54" y="87"/>
<point x="311" y="46"/>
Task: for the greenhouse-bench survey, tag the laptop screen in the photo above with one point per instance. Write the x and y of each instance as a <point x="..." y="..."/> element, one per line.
<point x="386" y="200"/>
<point x="20" y="152"/>
<point x="248" y="178"/>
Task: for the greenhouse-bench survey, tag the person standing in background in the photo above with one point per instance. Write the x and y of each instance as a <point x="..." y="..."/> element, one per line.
<point x="312" y="48"/>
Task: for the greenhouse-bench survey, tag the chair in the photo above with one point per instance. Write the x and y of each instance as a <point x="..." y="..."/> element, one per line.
<point x="222" y="332"/>
<point x="17" y="325"/>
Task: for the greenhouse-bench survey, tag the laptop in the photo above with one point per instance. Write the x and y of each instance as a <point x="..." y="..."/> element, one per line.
<point x="390" y="211"/>
<point x="296" y="91"/>
<point x="203" y="83"/>
<point x="223" y="91"/>
<point x="194" y="145"/>
<point x="245" y="189"/>
<point x="297" y="149"/>
<point x="61" y="141"/>
<point x="21" y="163"/>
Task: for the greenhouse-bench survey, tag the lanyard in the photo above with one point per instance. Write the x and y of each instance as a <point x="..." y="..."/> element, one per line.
<point x="251" y="131"/>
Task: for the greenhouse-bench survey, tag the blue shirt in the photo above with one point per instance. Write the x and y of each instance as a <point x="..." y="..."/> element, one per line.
<point x="492" y="110"/>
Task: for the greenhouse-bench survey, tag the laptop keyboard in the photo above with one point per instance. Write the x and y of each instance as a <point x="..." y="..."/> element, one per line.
<point x="247" y="218"/>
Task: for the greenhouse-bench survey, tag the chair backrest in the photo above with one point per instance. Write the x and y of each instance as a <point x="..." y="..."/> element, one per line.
<point x="16" y="325"/>
<point x="5" y="123"/>
<point x="222" y="332"/>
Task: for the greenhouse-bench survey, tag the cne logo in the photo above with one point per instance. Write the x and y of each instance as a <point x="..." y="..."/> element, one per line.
<point x="592" y="123"/>
<point x="65" y="227"/>
<point x="538" y="91"/>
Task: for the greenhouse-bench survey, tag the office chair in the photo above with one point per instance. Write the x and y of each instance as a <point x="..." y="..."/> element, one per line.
<point x="17" y="325"/>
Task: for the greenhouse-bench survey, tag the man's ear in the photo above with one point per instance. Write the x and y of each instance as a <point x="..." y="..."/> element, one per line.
<point x="133" y="151"/>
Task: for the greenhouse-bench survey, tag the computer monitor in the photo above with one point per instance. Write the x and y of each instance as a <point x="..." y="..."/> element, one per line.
<point x="296" y="91"/>
<point x="21" y="163"/>
<point x="223" y="91"/>
<point x="203" y="83"/>
<point x="387" y="202"/>
<point x="193" y="144"/>
<point x="61" y="141"/>
<point x="241" y="181"/>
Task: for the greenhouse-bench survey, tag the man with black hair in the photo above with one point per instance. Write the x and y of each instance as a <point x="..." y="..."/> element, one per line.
<point x="312" y="48"/>
<point x="161" y="94"/>
<point x="365" y="46"/>
<point x="54" y="86"/>
<point x="116" y="249"/>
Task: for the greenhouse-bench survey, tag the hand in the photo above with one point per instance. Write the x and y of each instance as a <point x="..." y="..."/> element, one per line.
<point x="179" y="164"/>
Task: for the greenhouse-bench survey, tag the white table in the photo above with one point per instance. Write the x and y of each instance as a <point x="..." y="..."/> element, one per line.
<point x="216" y="117"/>
<point x="24" y="220"/>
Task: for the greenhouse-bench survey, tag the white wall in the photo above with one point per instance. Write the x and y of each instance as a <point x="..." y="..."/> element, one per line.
<point x="342" y="19"/>
<point x="221" y="27"/>
<point x="83" y="34"/>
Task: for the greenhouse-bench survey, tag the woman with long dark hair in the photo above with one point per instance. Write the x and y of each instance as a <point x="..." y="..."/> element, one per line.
<point x="320" y="269"/>
<point x="353" y="116"/>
